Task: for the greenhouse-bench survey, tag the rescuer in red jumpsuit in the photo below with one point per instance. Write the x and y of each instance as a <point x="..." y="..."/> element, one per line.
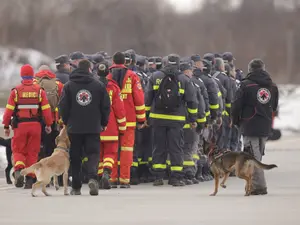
<point x="27" y="105"/>
<point x="116" y="125"/>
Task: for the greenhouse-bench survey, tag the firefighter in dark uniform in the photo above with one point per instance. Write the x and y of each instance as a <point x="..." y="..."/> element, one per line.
<point x="190" y="135"/>
<point x="225" y="81"/>
<point x="168" y="93"/>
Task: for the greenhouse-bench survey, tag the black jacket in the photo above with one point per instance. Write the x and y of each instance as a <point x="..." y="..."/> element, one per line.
<point x="85" y="104"/>
<point x="62" y="75"/>
<point x="188" y="100"/>
<point x="212" y="90"/>
<point x="256" y="100"/>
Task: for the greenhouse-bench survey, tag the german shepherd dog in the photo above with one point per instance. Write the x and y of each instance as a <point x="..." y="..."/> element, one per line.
<point x="241" y="162"/>
<point x="56" y="164"/>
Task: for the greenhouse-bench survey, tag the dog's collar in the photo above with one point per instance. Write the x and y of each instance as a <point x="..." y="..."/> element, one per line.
<point x="62" y="148"/>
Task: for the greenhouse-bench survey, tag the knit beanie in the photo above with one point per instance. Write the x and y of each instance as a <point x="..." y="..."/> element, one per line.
<point x="27" y="72"/>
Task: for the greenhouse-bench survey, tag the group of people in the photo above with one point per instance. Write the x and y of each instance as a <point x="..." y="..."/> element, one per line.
<point x="133" y="119"/>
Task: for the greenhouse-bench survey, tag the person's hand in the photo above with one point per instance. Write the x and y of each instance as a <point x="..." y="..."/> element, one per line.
<point x="146" y="123"/>
<point x="140" y="125"/>
<point x="194" y="125"/>
<point x="219" y="121"/>
<point x="6" y="132"/>
<point x="48" y="129"/>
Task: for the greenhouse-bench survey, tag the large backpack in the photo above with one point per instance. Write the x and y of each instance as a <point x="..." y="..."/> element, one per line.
<point x="168" y="97"/>
<point x="51" y="88"/>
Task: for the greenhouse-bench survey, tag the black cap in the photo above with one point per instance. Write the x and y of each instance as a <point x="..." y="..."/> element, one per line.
<point x="77" y="55"/>
<point x="97" y="58"/>
<point x="210" y="57"/>
<point x="151" y="60"/>
<point x="196" y="58"/>
<point x="141" y="60"/>
<point x="173" y="59"/>
<point x="158" y="60"/>
<point x="185" y="66"/>
<point x="62" y="59"/>
<point x="228" y="56"/>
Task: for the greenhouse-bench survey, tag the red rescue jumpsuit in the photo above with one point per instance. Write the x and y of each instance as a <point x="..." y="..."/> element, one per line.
<point x="26" y="104"/>
<point x="116" y="124"/>
<point x="133" y="97"/>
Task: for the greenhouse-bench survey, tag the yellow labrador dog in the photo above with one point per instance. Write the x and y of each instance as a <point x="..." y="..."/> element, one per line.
<point x="56" y="164"/>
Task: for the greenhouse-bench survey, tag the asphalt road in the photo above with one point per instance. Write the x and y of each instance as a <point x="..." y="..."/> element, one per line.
<point x="145" y="204"/>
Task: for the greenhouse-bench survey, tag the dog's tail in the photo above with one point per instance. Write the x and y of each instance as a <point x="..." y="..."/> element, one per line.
<point x="30" y="169"/>
<point x="263" y="166"/>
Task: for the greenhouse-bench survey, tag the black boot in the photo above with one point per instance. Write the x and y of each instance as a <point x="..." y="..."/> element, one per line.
<point x="158" y="182"/>
<point x="199" y="173"/>
<point x="187" y="181"/>
<point x="29" y="182"/>
<point x="124" y="185"/>
<point x="94" y="188"/>
<point x="19" y="179"/>
<point x="7" y="175"/>
<point x="176" y="182"/>
<point x="105" y="179"/>
<point x="75" y="192"/>
<point x="114" y="184"/>
<point x="134" y="180"/>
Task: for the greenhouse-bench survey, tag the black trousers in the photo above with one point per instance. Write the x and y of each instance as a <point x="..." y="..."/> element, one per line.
<point x="7" y="144"/>
<point x="48" y="140"/>
<point x="168" y="140"/>
<point x="91" y="145"/>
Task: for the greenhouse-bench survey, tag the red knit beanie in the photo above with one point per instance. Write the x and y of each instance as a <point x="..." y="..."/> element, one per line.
<point x="27" y="72"/>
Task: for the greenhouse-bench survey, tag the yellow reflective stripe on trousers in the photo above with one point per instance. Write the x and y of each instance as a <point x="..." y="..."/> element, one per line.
<point x="130" y="149"/>
<point x="159" y="166"/>
<point x="207" y="113"/>
<point x="142" y="107"/>
<point x="108" y="164"/>
<point x="135" y="164"/>
<point x="121" y="120"/>
<point x="201" y="120"/>
<point x="176" y="168"/>
<point x="131" y="124"/>
<point x="188" y="163"/>
<point x="192" y="111"/>
<point x="167" y="117"/>
<point x="187" y="126"/>
<point x="149" y="159"/>
<point x="219" y="94"/>
<point x="109" y="160"/>
<point x="100" y="164"/>
<point x="228" y="105"/>
<point x="214" y="106"/>
<point x="109" y="138"/>
<point x="44" y="107"/>
<point x="148" y="108"/>
<point x="195" y="156"/>
<point x="100" y="171"/>
<point x="142" y="163"/>
<point x="124" y="181"/>
<point x="11" y="107"/>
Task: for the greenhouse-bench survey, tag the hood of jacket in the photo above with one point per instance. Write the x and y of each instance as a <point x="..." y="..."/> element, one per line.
<point x="45" y="73"/>
<point x="170" y="70"/>
<point x="260" y="77"/>
<point x="81" y="76"/>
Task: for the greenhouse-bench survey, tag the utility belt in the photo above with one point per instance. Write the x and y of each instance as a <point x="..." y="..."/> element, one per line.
<point x="16" y="120"/>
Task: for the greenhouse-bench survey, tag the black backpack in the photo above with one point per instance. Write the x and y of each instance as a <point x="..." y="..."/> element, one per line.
<point x="168" y="97"/>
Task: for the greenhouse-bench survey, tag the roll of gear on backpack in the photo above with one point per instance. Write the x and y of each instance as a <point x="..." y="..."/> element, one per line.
<point x="168" y="97"/>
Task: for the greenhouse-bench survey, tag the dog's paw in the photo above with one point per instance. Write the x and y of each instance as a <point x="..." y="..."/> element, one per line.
<point x="33" y="195"/>
<point x="247" y="194"/>
<point x="223" y="185"/>
<point x="57" y="187"/>
<point x="213" y="194"/>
